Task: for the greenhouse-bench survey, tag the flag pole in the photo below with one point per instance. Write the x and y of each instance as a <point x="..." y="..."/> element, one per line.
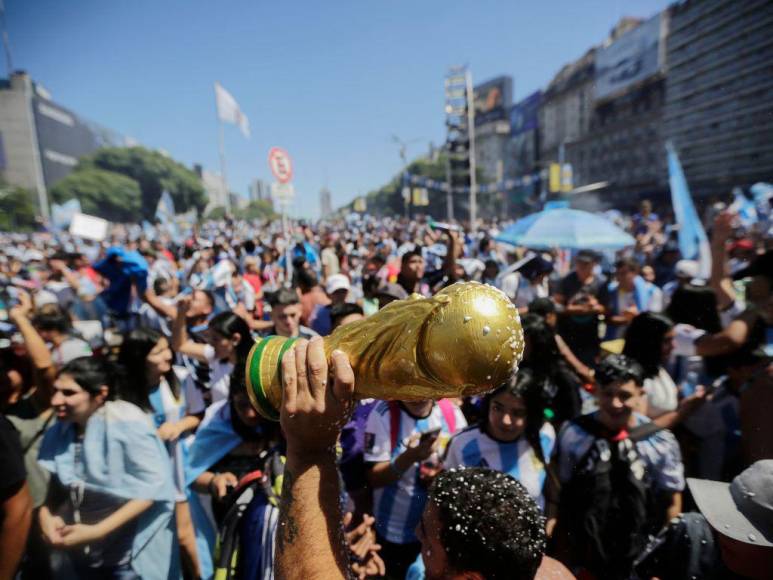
<point x="221" y="147"/>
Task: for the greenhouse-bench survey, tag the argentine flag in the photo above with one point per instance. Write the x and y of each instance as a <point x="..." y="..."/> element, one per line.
<point x="693" y="242"/>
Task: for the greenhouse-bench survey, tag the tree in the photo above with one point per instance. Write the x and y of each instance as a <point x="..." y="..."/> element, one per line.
<point x="17" y="209"/>
<point x="106" y="194"/>
<point x="257" y="210"/>
<point x="154" y="173"/>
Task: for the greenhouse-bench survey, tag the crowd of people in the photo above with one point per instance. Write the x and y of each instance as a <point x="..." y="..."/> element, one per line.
<point x="634" y="441"/>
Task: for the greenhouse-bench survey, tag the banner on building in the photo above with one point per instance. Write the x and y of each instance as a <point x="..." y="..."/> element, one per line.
<point x="635" y="56"/>
<point x="493" y="99"/>
<point x="524" y="114"/>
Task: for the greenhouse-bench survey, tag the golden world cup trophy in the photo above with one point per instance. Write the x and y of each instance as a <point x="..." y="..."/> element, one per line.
<point x="465" y="340"/>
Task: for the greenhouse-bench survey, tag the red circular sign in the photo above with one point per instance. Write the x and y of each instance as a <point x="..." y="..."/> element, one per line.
<point x="280" y="164"/>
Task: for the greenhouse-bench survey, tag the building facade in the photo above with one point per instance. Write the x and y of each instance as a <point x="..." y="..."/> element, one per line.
<point x="624" y="142"/>
<point x="41" y="141"/>
<point x="719" y="92"/>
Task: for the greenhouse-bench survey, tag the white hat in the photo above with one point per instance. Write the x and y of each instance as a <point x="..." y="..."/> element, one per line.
<point x="686" y="269"/>
<point x="337" y="282"/>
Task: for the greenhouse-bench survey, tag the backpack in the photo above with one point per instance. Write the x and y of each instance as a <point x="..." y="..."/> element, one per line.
<point x="446" y="408"/>
<point x="608" y="502"/>
<point x="255" y="490"/>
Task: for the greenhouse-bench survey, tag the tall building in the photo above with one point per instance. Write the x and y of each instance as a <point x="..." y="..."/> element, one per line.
<point x="214" y="187"/>
<point x="566" y="107"/>
<point x="719" y="92"/>
<point x="524" y="140"/>
<point x="260" y="190"/>
<point x="493" y="100"/>
<point x="623" y="142"/>
<point x="325" y="203"/>
<point x="41" y="141"/>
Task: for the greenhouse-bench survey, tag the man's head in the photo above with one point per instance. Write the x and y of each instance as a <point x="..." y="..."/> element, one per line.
<point x="742" y="515"/>
<point x="626" y="270"/>
<point x="619" y="380"/>
<point x="52" y="323"/>
<point x="760" y="290"/>
<point x="584" y="262"/>
<point x="337" y="288"/>
<point x="345" y="313"/>
<point x="202" y="305"/>
<point x="286" y="312"/>
<point x="412" y="266"/>
<point x="480" y="523"/>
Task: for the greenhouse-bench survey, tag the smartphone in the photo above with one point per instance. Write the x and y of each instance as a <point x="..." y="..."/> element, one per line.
<point x="431" y="434"/>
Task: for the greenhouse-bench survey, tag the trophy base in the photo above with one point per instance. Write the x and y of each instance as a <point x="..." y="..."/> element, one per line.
<point x="264" y="375"/>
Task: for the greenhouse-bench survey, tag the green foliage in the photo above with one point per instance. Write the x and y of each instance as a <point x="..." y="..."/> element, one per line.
<point x="106" y="194"/>
<point x="216" y="213"/>
<point x="154" y="173"/>
<point x="17" y="209"/>
<point x="257" y="210"/>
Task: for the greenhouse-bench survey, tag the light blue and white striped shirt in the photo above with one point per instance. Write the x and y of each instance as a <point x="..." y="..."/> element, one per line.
<point x="474" y="448"/>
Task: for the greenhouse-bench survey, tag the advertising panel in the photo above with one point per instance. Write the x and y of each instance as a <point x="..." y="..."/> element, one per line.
<point x="635" y="56"/>
<point x="63" y="138"/>
<point x="493" y="99"/>
<point x="524" y="115"/>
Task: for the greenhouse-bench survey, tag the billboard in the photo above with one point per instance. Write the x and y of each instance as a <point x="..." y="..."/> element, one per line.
<point x="636" y="55"/>
<point x="63" y="138"/>
<point x="493" y="99"/>
<point x="524" y="115"/>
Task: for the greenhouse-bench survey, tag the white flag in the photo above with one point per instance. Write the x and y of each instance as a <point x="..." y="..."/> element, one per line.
<point x="228" y="110"/>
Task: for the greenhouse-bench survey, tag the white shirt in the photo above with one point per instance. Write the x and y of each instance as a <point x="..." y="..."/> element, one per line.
<point x="474" y="448"/>
<point x="219" y="374"/>
<point x="661" y="394"/>
<point x="398" y="507"/>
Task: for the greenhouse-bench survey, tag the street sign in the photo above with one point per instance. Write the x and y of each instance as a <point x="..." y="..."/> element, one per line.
<point x="280" y="164"/>
<point x="283" y="193"/>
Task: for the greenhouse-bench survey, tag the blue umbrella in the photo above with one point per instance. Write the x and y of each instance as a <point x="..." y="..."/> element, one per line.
<point x="565" y="228"/>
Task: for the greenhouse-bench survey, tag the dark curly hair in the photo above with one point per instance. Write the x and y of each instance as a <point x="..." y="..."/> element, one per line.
<point x="489" y="523"/>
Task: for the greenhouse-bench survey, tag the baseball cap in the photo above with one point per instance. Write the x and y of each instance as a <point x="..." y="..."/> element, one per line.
<point x="392" y="290"/>
<point x="743" y="509"/>
<point x="686" y="269"/>
<point x="760" y="266"/>
<point x="337" y="282"/>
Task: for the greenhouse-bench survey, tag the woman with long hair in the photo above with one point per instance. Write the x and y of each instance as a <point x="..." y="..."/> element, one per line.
<point x="109" y="506"/>
<point x="177" y="407"/>
<point x="558" y="386"/>
<point x="649" y="340"/>
<point x="511" y="436"/>
<point x="228" y="339"/>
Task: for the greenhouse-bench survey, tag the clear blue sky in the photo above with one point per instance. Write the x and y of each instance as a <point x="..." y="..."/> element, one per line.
<point x="330" y="81"/>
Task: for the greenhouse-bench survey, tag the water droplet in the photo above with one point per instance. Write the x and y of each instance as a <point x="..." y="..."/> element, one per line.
<point x="752" y="537"/>
<point x="486" y="330"/>
<point x="467" y="318"/>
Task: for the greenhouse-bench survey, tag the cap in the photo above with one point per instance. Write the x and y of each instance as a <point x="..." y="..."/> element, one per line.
<point x="686" y="269"/>
<point x="743" y="509"/>
<point x="760" y="266"/>
<point x="392" y="290"/>
<point x="337" y="282"/>
<point x="742" y="244"/>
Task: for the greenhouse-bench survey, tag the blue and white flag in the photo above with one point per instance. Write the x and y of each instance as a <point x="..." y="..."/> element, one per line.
<point x="693" y="242"/>
<point x="744" y="207"/>
<point x="165" y="208"/>
<point x="61" y="214"/>
<point x="763" y="193"/>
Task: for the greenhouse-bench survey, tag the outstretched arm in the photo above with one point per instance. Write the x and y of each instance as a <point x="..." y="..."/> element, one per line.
<point x="310" y="542"/>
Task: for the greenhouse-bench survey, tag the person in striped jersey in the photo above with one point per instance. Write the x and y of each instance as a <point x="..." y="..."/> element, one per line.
<point x="510" y="437"/>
